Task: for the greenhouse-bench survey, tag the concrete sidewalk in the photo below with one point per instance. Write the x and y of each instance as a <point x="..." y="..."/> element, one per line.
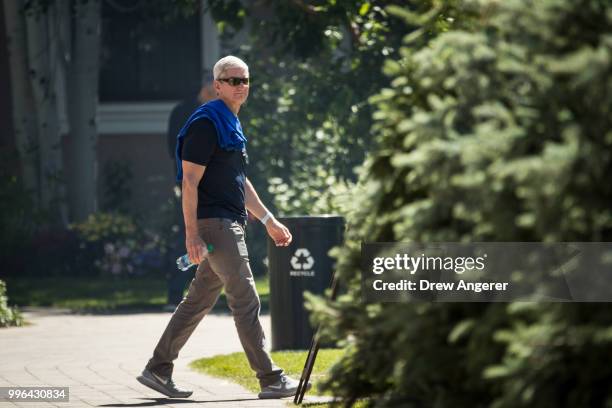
<point x="99" y="356"/>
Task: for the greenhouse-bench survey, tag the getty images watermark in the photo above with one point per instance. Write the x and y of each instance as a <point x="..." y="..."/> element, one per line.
<point x="487" y="272"/>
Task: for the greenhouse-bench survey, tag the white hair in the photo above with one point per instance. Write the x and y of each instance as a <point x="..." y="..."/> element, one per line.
<point x="226" y="63"/>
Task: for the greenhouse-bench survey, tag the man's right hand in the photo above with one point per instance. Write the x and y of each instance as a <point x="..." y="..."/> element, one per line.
<point x="195" y="248"/>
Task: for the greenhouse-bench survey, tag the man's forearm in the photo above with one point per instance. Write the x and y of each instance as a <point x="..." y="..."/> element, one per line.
<point x="190" y="205"/>
<point x="253" y="202"/>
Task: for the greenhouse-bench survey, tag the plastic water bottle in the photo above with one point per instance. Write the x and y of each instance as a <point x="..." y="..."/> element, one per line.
<point x="183" y="263"/>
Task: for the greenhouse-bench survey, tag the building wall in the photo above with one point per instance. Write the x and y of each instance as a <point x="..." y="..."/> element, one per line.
<point x="152" y="169"/>
<point x="133" y="131"/>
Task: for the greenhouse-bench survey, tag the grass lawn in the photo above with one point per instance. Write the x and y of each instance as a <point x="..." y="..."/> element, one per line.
<point x="104" y="294"/>
<point x="235" y="367"/>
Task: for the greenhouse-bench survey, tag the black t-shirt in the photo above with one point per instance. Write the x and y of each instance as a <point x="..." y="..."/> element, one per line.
<point x="221" y="190"/>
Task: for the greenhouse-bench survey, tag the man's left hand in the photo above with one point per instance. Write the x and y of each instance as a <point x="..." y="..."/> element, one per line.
<point x="278" y="232"/>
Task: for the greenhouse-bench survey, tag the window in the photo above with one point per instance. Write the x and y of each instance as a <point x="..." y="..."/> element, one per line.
<point x="144" y="58"/>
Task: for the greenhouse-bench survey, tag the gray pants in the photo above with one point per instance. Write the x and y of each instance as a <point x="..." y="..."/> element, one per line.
<point x="227" y="266"/>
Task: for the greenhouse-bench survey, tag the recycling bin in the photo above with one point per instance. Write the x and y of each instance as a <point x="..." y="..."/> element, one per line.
<point x="302" y="266"/>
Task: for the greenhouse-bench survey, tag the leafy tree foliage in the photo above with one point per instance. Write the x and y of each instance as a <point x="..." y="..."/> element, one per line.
<point x="314" y="65"/>
<point x="498" y="131"/>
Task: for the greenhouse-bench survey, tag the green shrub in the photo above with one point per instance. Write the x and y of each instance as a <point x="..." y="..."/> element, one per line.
<point x="9" y="316"/>
<point x="499" y="133"/>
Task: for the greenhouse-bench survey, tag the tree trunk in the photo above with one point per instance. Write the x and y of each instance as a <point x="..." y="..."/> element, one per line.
<point x="23" y="107"/>
<point x="43" y="70"/>
<point x="82" y="80"/>
<point x="7" y="137"/>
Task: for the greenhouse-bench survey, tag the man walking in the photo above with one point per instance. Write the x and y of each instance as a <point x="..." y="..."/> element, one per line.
<point x="211" y="159"/>
<point x="177" y="280"/>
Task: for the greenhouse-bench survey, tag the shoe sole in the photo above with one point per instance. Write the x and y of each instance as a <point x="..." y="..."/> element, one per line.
<point x="155" y="386"/>
<point x="278" y="394"/>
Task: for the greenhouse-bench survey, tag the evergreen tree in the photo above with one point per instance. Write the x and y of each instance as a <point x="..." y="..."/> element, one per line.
<point x="498" y="133"/>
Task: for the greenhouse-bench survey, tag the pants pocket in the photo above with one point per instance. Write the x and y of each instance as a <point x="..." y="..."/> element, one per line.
<point x="239" y="236"/>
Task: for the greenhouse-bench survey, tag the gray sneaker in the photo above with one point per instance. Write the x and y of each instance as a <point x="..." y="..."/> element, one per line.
<point x="162" y="384"/>
<point x="284" y="387"/>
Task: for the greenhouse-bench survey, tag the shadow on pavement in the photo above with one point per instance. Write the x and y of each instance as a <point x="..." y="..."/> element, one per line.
<point x="164" y="401"/>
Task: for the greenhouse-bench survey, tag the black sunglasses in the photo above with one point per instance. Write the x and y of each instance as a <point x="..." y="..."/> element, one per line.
<point x="235" y="81"/>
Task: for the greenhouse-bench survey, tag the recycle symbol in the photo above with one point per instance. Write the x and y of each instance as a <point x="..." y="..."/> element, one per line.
<point x="302" y="259"/>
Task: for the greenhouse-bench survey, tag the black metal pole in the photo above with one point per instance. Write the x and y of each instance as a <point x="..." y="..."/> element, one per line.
<point x="312" y="353"/>
<point x="308" y="367"/>
<point x="302" y="376"/>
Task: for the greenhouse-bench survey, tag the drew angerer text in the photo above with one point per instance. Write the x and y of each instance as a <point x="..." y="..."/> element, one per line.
<point x="424" y="284"/>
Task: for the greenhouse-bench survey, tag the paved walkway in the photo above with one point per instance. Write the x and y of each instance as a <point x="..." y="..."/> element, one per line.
<point x="99" y="356"/>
